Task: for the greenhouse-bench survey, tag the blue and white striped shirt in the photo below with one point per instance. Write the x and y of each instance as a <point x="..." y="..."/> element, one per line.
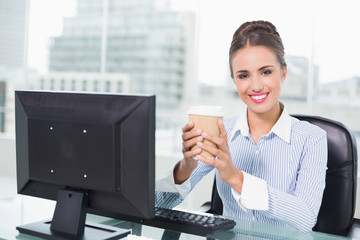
<point x="291" y="158"/>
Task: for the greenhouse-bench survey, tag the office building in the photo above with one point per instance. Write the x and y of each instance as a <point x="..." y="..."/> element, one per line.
<point x="13" y="20"/>
<point x="87" y="82"/>
<point x="346" y="91"/>
<point x="153" y="46"/>
<point x="2" y="105"/>
<point x="295" y="87"/>
<point x="13" y="16"/>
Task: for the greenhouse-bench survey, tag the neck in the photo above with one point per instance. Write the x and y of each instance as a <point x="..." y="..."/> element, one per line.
<point x="260" y="124"/>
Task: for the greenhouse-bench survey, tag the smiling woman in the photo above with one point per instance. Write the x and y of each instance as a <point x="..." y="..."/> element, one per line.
<point x="269" y="167"/>
<point x="258" y="77"/>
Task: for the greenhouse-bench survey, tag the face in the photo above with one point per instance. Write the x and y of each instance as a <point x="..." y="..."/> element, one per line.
<point x="258" y="77"/>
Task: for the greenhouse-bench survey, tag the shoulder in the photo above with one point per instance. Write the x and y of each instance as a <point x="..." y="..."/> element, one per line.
<point x="304" y="129"/>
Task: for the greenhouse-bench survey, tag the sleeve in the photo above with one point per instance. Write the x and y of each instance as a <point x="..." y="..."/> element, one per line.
<point x="254" y="193"/>
<point x="300" y="208"/>
<point x="167" y="184"/>
<point x="169" y="195"/>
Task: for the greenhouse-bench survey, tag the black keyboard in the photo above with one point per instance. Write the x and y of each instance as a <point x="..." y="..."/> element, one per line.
<point x="187" y="222"/>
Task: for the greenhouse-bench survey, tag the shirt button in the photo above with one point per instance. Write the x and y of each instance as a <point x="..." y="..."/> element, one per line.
<point x="257" y="151"/>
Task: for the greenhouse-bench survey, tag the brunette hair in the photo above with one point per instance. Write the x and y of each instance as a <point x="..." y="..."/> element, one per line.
<point x="257" y="33"/>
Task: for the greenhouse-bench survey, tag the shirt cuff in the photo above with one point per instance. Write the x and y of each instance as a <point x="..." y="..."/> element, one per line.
<point x="166" y="183"/>
<point x="254" y="194"/>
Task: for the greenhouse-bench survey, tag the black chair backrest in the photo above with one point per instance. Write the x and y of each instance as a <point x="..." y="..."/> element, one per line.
<point x="338" y="205"/>
<point x="216" y="205"/>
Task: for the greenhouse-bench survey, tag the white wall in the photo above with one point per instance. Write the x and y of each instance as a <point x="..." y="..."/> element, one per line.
<point x="7" y="153"/>
<point x="7" y="166"/>
<point x="357" y="208"/>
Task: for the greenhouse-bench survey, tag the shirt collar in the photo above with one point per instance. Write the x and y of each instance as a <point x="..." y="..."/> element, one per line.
<point x="282" y="127"/>
<point x="241" y="125"/>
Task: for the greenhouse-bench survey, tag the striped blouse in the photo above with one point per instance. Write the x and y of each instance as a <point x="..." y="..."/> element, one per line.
<point x="291" y="159"/>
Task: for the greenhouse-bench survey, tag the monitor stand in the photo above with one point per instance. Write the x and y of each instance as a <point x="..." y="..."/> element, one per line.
<point x="69" y="221"/>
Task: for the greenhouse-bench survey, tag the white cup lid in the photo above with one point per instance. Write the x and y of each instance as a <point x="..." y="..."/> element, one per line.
<point x="207" y="110"/>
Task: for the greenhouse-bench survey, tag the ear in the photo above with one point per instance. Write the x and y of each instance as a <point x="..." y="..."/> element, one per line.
<point x="283" y="74"/>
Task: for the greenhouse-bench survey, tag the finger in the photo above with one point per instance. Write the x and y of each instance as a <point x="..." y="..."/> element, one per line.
<point x="223" y="132"/>
<point x="188" y="126"/>
<point x="192" y="142"/>
<point x="213" y="150"/>
<point x="192" y="153"/>
<point x="210" y="161"/>
<point x="191" y="134"/>
<point x="217" y="140"/>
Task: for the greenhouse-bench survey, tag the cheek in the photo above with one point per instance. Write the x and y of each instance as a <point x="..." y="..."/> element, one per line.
<point x="242" y="88"/>
<point x="278" y="83"/>
<point x="274" y="82"/>
<point x="276" y="87"/>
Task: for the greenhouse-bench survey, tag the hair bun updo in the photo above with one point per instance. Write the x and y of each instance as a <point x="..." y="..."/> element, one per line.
<point x="256" y="26"/>
<point x="257" y="33"/>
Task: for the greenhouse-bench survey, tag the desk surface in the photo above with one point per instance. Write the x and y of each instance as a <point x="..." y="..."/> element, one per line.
<point x="19" y="210"/>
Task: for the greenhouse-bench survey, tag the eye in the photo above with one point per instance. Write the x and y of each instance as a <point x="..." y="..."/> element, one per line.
<point x="267" y="72"/>
<point x="242" y="76"/>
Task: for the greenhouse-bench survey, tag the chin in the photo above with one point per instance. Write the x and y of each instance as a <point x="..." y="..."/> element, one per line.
<point x="259" y="108"/>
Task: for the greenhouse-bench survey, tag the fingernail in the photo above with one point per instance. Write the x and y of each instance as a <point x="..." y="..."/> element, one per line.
<point x="189" y="123"/>
<point x="204" y="134"/>
<point x="198" y="131"/>
<point x="199" y="144"/>
<point x="196" y="151"/>
<point x="200" y="158"/>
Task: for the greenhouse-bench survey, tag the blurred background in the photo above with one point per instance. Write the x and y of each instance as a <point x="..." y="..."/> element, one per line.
<point x="178" y="50"/>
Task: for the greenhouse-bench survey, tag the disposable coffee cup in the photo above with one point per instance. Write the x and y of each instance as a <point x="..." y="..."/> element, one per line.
<point x="206" y="118"/>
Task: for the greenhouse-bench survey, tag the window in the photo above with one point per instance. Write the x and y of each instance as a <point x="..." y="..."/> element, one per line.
<point x="119" y="86"/>
<point x="52" y="84"/>
<point x="96" y="86"/>
<point x="62" y="85"/>
<point x="73" y="85"/>
<point x="107" y="86"/>
<point x="84" y="85"/>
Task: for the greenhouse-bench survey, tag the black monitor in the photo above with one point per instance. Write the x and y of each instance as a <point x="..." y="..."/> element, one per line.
<point x="92" y="153"/>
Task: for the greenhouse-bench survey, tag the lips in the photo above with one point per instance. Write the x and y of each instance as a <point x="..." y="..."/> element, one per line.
<point x="259" y="97"/>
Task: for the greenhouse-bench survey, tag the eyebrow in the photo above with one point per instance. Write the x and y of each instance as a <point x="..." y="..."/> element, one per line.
<point x="266" y="67"/>
<point x="262" y="68"/>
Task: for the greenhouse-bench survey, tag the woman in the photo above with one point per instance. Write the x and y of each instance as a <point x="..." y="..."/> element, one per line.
<point x="270" y="167"/>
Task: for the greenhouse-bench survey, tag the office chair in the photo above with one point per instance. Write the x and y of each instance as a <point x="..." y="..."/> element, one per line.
<point x="336" y="213"/>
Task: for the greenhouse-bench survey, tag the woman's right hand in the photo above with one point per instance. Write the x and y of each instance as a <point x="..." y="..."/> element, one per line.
<point x="190" y="138"/>
<point x="185" y="167"/>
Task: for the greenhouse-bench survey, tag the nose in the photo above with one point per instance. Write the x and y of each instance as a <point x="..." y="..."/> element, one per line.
<point x="257" y="85"/>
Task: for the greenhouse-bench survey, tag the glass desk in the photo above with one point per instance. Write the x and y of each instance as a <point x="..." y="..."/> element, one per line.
<point x="19" y="210"/>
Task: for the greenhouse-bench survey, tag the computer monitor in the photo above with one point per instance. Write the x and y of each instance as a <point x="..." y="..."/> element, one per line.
<point x="92" y="153"/>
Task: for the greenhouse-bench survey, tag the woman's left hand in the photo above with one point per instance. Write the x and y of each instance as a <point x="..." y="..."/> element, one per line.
<point x="227" y="171"/>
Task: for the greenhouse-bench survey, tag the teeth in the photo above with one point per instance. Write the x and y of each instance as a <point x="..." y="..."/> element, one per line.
<point x="259" y="97"/>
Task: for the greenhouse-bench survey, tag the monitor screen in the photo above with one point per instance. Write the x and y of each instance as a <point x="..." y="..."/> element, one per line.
<point x="99" y="145"/>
